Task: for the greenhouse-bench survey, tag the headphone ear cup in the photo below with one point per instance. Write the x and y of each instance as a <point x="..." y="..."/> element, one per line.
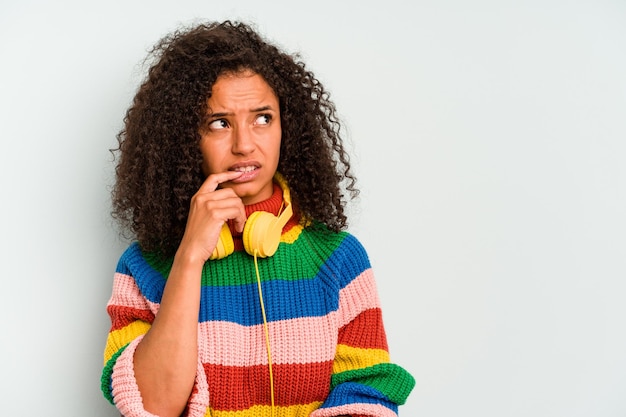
<point x="261" y="234"/>
<point x="225" y="245"/>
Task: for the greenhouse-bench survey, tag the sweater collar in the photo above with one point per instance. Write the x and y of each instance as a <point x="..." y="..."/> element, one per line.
<point x="271" y="205"/>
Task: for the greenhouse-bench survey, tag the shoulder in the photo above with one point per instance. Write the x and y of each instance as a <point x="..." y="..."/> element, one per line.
<point x="344" y="250"/>
<point x="128" y="258"/>
<point x="134" y="261"/>
<point x="147" y="271"/>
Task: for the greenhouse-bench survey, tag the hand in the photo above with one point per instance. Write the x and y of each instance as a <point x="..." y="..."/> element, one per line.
<point x="210" y="207"/>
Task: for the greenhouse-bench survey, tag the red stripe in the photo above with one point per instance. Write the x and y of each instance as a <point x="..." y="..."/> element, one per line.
<point x="365" y="331"/>
<point x="238" y="388"/>
<point x="122" y="316"/>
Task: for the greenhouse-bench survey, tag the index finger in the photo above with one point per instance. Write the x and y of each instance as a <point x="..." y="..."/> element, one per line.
<point x="211" y="182"/>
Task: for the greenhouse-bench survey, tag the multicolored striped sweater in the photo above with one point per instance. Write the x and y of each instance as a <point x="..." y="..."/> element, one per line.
<point x="328" y="345"/>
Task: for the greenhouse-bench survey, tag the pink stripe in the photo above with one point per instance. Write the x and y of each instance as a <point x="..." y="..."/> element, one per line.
<point x="128" y="397"/>
<point x="360" y="295"/>
<point x="125" y="390"/>
<point x="126" y="293"/>
<point x="295" y="341"/>
<point x="355" y="410"/>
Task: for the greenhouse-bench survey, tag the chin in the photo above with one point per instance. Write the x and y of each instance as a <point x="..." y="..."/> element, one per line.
<point x="251" y="194"/>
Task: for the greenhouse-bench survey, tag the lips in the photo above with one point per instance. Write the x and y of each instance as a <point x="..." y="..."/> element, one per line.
<point x="248" y="168"/>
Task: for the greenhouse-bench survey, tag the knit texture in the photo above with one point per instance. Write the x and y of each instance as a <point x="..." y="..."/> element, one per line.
<point x="328" y="344"/>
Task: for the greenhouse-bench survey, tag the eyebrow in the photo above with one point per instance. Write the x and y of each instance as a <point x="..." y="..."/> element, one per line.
<point x="255" y="110"/>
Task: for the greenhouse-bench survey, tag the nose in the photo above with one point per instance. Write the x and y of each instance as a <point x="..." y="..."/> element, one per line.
<point x="243" y="141"/>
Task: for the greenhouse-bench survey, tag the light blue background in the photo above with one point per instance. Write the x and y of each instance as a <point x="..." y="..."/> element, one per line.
<point x="489" y="141"/>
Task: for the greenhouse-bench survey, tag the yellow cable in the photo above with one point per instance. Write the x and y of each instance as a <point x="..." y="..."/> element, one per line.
<point x="267" y="333"/>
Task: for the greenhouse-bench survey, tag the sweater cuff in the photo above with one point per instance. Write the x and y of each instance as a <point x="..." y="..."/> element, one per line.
<point x="366" y="410"/>
<point x="126" y="393"/>
<point x="127" y="396"/>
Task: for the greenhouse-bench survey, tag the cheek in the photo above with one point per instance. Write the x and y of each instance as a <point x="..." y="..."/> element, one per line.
<point x="278" y="138"/>
<point x="206" y="160"/>
<point x="205" y="169"/>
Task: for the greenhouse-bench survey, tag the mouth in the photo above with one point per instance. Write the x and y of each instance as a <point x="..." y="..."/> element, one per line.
<point x="247" y="168"/>
<point x="250" y="170"/>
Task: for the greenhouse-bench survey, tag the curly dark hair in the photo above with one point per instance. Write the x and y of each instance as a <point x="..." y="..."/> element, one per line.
<point x="159" y="166"/>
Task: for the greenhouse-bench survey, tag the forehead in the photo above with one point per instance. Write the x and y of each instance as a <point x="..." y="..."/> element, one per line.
<point x="240" y="90"/>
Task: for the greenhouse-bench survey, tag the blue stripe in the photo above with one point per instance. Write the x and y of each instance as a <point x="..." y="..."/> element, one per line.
<point x="349" y="260"/>
<point x="284" y="299"/>
<point x="150" y="281"/>
<point x="355" y="393"/>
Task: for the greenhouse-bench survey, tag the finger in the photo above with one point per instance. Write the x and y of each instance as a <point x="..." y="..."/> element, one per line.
<point x="232" y="208"/>
<point x="211" y="182"/>
<point x="222" y="204"/>
<point x="240" y="219"/>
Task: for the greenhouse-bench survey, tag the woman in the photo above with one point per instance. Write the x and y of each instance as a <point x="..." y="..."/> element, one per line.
<point x="242" y="295"/>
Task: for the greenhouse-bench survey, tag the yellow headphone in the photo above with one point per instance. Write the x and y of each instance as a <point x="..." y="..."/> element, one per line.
<point x="261" y="234"/>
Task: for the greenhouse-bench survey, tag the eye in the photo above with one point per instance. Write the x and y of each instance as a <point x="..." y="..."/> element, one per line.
<point x="218" y="124"/>
<point x="263" y="119"/>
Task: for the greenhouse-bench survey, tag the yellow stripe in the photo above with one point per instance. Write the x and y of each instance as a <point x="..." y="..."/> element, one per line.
<point x="121" y="337"/>
<point x="292" y="235"/>
<point x="349" y="358"/>
<point x="266" y="411"/>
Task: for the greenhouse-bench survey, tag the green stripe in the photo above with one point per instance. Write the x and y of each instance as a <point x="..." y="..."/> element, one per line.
<point x="238" y="269"/>
<point x="388" y="378"/>
<point x="107" y="372"/>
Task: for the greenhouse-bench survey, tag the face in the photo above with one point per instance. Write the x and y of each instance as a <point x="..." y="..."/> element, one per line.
<point x="243" y="133"/>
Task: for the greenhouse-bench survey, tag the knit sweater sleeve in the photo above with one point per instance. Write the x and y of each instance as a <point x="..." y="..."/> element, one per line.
<point x="364" y="382"/>
<point x="132" y="312"/>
